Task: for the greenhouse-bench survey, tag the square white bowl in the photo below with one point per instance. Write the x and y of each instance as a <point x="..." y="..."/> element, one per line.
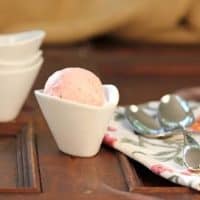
<point x="78" y="129"/>
<point x="14" y="89"/>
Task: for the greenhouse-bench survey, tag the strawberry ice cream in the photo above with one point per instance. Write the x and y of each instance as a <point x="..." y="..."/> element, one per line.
<point x="76" y="84"/>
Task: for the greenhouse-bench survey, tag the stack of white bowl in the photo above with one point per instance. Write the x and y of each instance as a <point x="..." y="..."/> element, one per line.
<point x="20" y="62"/>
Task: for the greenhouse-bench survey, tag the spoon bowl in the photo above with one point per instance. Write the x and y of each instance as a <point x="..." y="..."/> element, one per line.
<point x="192" y="158"/>
<point x="174" y="112"/>
<point x="144" y="124"/>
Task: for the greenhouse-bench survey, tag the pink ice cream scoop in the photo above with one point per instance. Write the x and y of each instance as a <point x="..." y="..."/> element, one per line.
<point x="76" y="84"/>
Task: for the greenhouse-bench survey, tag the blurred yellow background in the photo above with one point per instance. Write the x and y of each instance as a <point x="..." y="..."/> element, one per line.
<point x="69" y="21"/>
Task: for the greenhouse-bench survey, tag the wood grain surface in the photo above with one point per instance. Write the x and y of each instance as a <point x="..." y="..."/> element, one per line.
<point x="19" y="166"/>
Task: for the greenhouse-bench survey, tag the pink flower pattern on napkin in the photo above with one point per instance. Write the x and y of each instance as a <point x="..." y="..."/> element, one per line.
<point x="186" y="172"/>
<point x="109" y="140"/>
<point x="111" y="128"/>
<point x="159" y="169"/>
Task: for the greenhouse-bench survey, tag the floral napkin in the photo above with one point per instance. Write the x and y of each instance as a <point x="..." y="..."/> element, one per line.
<point x="162" y="156"/>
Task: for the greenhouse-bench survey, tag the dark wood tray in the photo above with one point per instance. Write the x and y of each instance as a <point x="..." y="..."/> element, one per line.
<point x="141" y="180"/>
<point x="108" y="175"/>
<point x="18" y="160"/>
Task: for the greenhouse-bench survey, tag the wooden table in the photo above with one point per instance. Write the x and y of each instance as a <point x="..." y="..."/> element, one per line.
<point x="37" y="170"/>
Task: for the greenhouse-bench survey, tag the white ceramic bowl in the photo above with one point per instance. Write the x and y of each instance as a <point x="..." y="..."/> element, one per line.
<point x="29" y="61"/>
<point x="20" y="64"/>
<point x="78" y="129"/>
<point x="20" y="46"/>
<point x="14" y="89"/>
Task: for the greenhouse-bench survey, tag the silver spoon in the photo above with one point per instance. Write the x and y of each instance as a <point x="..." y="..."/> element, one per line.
<point x="174" y="113"/>
<point x="144" y="124"/>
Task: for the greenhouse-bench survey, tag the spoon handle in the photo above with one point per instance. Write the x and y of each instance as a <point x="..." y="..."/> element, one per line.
<point x="189" y="140"/>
